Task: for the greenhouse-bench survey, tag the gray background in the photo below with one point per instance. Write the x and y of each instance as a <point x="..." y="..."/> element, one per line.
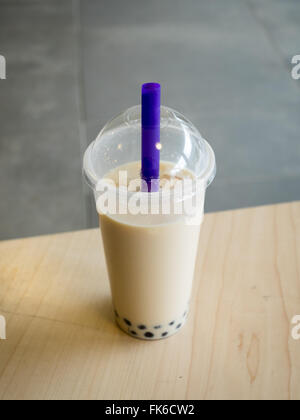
<point x="72" y="65"/>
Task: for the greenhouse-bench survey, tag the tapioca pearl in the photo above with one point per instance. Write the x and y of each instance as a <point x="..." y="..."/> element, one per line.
<point x="172" y="323"/>
<point x="157" y="327"/>
<point x="184" y="314"/>
<point x="149" y="334"/>
<point x="142" y="327"/>
<point x="133" y="332"/>
<point x="178" y="326"/>
<point x="164" y="334"/>
<point x="127" y="322"/>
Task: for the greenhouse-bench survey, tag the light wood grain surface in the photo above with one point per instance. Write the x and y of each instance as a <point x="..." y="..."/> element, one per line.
<point x="62" y="342"/>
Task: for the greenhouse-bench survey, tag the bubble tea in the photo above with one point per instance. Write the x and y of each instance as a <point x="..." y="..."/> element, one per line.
<point x="138" y="168"/>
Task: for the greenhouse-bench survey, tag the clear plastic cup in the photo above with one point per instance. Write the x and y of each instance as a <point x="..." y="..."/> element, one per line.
<point x="151" y="247"/>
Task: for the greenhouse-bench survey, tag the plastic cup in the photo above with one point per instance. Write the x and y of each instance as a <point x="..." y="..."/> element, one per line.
<point x="150" y="256"/>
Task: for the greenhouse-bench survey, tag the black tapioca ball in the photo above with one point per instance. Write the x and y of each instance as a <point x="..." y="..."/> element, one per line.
<point x="133" y="332"/>
<point x="178" y="326"/>
<point x="172" y="323"/>
<point x="164" y="334"/>
<point x="157" y="327"/>
<point x="142" y="327"/>
<point x="127" y="322"/>
<point x="149" y="334"/>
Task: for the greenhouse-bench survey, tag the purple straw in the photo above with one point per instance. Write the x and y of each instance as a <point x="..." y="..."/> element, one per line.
<point x="151" y="96"/>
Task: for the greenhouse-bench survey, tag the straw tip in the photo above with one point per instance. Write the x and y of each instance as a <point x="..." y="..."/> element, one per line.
<point x="146" y="87"/>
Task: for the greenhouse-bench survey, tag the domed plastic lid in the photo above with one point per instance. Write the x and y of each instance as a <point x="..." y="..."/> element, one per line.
<point x="119" y="143"/>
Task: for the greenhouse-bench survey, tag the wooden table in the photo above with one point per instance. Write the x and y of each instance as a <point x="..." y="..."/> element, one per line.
<point x="62" y="342"/>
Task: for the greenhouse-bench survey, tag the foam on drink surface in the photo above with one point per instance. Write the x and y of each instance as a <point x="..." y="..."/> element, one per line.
<point x="169" y="175"/>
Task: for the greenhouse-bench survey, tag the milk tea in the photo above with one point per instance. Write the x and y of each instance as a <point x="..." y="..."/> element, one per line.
<point x="151" y="262"/>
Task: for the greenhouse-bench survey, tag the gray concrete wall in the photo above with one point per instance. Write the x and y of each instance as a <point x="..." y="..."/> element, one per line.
<point x="72" y="65"/>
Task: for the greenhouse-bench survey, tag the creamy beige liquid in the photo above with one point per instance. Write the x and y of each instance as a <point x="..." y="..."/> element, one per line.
<point x="151" y="267"/>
